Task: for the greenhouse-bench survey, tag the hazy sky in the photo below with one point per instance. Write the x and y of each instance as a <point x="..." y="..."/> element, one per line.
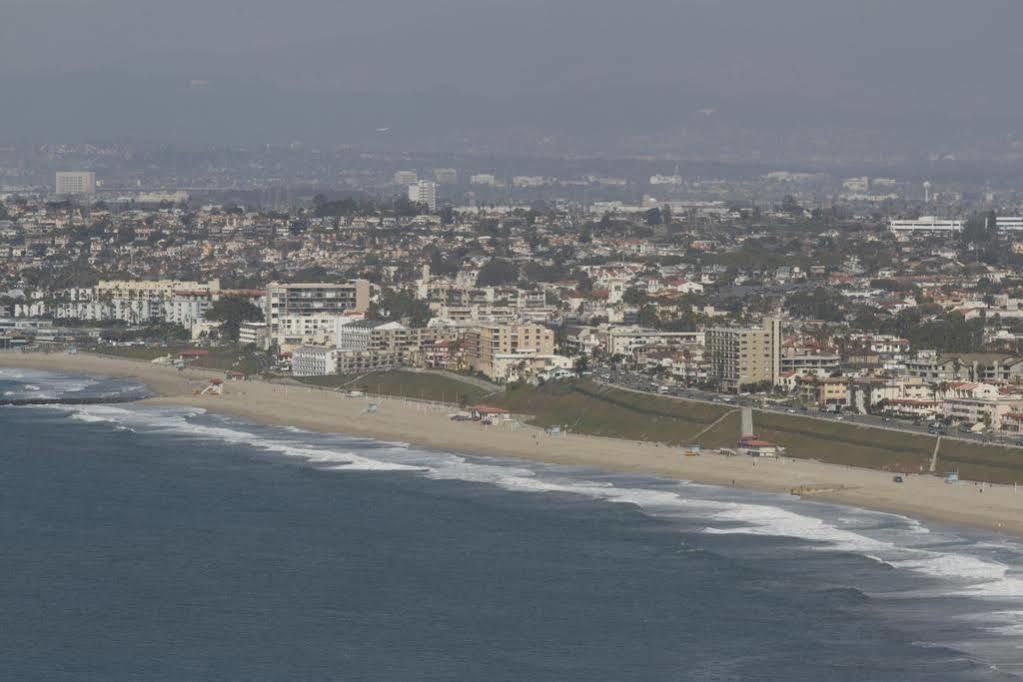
<point x="889" y="59"/>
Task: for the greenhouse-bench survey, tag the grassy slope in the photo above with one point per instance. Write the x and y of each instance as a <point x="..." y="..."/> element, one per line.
<point x="226" y="358"/>
<point x="422" y="385"/>
<point x="586" y="407"/>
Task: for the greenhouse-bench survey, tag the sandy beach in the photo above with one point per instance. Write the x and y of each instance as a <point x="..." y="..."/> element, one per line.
<point x="993" y="507"/>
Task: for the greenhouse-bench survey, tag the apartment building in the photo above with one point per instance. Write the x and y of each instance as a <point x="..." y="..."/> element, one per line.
<point x="926" y="225"/>
<point x="318" y="298"/>
<point x="743" y="356"/>
<point x="254" y="333"/>
<point x="423" y="192"/>
<point x="298" y="330"/>
<point x="314" y="361"/>
<point x="74" y="183"/>
<point x="803" y="364"/>
<point x="139" y="302"/>
<point x="625" y="340"/>
<point x="485" y="343"/>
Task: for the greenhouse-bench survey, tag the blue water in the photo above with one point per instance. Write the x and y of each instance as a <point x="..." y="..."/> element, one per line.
<point x="170" y="544"/>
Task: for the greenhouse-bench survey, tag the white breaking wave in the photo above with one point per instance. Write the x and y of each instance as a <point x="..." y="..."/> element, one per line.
<point x="963" y="573"/>
<point x="177" y="422"/>
<point x="42" y="384"/>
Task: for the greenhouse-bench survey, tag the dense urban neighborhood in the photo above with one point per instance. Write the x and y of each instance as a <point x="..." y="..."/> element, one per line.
<point x="845" y="310"/>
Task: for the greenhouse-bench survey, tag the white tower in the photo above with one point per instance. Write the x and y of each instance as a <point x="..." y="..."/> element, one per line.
<point x="927" y="191"/>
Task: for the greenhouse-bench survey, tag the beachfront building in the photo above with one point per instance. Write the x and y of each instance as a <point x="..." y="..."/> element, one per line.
<point x="485" y="343"/>
<point x="529" y="366"/>
<point x="299" y="330"/>
<point x="352" y="335"/>
<point x="138" y="301"/>
<point x="740" y="357"/>
<point x="314" y="361"/>
<point x="979" y="404"/>
<point x="828" y="394"/>
<point x="319" y="298"/>
<point x="911" y="408"/>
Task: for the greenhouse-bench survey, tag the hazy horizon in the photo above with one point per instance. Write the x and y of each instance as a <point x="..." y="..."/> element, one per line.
<point x="711" y="78"/>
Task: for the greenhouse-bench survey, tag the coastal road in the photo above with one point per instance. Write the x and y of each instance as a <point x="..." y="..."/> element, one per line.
<point x="635" y="385"/>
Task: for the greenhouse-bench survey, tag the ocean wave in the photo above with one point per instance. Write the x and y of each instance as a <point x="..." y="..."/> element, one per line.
<point x="42" y="384"/>
<point x="178" y="422"/>
<point x="887" y="539"/>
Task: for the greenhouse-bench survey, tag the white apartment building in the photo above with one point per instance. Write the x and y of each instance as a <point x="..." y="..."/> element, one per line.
<point x="254" y="333"/>
<point x="978" y="404"/>
<point x="318" y="298"/>
<point x="139" y="302"/>
<point x="314" y="361"/>
<point x="925" y="225"/>
<point x="1013" y="223"/>
<point x="318" y="329"/>
<point x="354" y="335"/>
<point x="424" y="192"/>
<point x="626" y="340"/>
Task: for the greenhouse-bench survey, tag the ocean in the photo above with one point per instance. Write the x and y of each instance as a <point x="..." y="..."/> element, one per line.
<point x="162" y="543"/>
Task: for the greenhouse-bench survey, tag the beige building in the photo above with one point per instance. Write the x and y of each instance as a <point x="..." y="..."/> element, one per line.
<point x="73" y="183"/>
<point x="305" y="330"/>
<point x="742" y="356"/>
<point x="485" y="343"/>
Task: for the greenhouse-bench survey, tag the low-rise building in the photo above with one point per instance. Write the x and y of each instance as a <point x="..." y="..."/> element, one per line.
<point x="314" y="361"/>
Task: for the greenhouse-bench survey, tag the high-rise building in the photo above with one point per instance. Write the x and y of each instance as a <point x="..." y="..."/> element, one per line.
<point x="406" y="177"/>
<point x="73" y="183"/>
<point x="423" y="192"/>
<point x="743" y="356"/>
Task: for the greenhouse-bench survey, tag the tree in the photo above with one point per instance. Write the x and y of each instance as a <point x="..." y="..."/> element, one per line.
<point x="979" y="229"/>
<point x="497" y="272"/>
<point x="447" y="215"/>
<point x="231" y="311"/>
<point x="400" y="306"/>
<point x="126" y="235"/>
<point x="791" y="206"/>
<point x="634" y="296"/>
<point x="584" y="284"/>
<point x="821" y="303"/>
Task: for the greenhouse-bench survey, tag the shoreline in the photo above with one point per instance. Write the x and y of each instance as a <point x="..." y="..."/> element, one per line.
<point x="991" y="507"/>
